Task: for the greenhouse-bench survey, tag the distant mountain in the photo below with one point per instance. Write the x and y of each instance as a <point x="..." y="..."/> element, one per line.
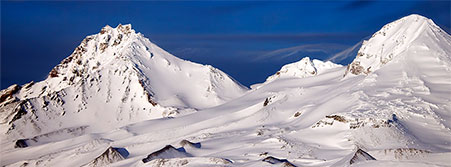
<point x="113" y="78"/>
<point x="390" y="107"/>
<point x="301" y="69"/>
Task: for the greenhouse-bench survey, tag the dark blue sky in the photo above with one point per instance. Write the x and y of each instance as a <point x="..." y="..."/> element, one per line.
<point x="247" y="40"/>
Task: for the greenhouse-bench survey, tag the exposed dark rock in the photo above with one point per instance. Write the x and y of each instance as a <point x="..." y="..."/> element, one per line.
<point x="28" y="85"/>
<point x="273" y="160"/>
<point x="111" y="155"/>
<point x="20" y="111"/>
<point x="21" y="143"/>
<point x="263" y="154"/>
<point x="337" y="118"/>
<point x="53" y="73"/>
<point x="118" y="40"/>
<point x="149" y="98"/>
<point x="9" y="92"/>
<point x="103" y="46"/>
<point x="166" y="153"/>
<point x="184" y="143"/>
<point x="297" y="114"/>
<point x="104" y="29"/>
<point x="67" y="60"/>
<point x="266" y="102"/>
<point x="355" y="68"/>
<point x="360" y="156"/>
<point x="401" y="153"/>
<point x="205" y="161"/>
<point x="126" y="29"/>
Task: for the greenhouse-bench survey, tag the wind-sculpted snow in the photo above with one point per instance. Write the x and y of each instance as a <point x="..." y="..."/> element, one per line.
<point x="398" y="114"/>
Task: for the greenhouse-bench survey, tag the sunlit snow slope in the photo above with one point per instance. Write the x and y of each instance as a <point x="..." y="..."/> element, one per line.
<point x="112" y="79"/>
<point x="396" y="113"/>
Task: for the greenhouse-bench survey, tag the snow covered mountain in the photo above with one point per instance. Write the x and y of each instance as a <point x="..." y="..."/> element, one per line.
<point x="311" y="113"/>
<point x="303" y="68"/>
<point x="395" y="40"/>
<point x="112" y="79"/>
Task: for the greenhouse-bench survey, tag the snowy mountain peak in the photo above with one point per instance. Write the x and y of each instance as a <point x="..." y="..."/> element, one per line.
<point x="303" y="68"/>
<point x="93" y="52"/>
<point x="395" y="38"/>
<point x="119" y="76"/>
<point x="122" y="29"/>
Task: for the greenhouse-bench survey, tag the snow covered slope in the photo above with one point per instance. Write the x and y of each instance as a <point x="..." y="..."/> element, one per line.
<point x="395" y="40"/>
<point x="397" y="114"/>
<point x="112" y="79"/>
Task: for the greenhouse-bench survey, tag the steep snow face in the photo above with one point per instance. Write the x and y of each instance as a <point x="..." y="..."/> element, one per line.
<point x="159" y="72"/>
<point x="400" y="38"/>
<point x="303" y="68"/>
<point x="112" y="79"/>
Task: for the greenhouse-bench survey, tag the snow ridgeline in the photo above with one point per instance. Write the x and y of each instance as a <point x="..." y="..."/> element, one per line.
<point x="396" y="113"/>
<point x="112" y="79"/>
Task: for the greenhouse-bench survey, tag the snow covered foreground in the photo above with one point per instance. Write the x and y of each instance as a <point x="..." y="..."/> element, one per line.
<point x="141" y="106"/>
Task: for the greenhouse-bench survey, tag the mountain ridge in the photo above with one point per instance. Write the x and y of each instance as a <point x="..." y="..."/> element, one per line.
<point x="398" y="113"/>
<point x="119" y="74"/>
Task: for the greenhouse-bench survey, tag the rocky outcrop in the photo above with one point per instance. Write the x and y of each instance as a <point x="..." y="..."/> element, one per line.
<point x="360" y="156"/>
<point x="21" y="143"/>
<point x="282" y="162"/>
<point x="111" y="155"/>
<point x="166" y="152"/>
<point x="186" y="143"/>
<point x="354" y="123"/>
<point x="8" y="92"/>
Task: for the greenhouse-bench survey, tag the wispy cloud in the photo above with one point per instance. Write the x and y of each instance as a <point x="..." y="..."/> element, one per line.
<point x="325" y="48"/>
<point x="350" y="52"/>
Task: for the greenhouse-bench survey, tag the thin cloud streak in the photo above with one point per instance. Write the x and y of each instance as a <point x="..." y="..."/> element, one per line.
<point x="345" y="53"/>
<point x="348" y="53"/>
<point x="308" y="48"/>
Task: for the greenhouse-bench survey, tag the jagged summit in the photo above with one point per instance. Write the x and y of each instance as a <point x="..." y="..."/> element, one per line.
<point x="122" y="29"/>
<point x="120" y="76"/>
<point x="90" y="51"/>
<point x="394" y="39"/>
